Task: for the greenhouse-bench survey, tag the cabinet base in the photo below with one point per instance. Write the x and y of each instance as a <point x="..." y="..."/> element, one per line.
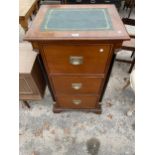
<point x="59" y="109"/>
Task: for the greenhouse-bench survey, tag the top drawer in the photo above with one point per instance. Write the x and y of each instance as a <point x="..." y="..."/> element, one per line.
<point x="76" y="59"/>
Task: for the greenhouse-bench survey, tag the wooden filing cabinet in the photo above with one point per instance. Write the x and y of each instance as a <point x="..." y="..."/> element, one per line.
<point x="77" y="46"/>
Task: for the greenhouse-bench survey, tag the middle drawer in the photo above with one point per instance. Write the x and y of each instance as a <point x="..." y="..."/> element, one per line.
<point x="76" y="84"/>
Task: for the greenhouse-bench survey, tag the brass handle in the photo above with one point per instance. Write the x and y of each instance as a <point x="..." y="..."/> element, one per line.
<point x="76" y="86"/>
<point x="77" y="102"/>
<point x="76" y="60"/>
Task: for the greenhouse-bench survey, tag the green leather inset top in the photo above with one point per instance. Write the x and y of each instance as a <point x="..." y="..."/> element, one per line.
<point x="83" y="19"/>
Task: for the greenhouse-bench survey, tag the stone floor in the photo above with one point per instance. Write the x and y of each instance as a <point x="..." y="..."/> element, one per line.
<point x="77" y="133"/>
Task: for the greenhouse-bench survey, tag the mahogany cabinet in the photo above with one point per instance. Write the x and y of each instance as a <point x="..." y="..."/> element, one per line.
<point x="77" y="44"/>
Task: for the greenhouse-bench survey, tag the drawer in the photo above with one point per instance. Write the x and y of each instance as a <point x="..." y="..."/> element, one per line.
<point x="27" y="85"/>
<point x="24" y="85"/>
<point x="77" y="102"/>
<point x="73" y="59"/>
<point x="28" y="88"/>
<point x="76" y="85"/>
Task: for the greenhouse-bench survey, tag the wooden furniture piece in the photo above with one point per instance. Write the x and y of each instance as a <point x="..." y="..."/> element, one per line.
<point x="31" y="81"/>
<point x="129" y="45"/>
<point x="131" y="82"/>
<point x="116" y="2"/>
<point x="129" y="4"/>
<point x="26" y="9"/>
<point x="77" y="44"/>
<point x="129" y="22"/>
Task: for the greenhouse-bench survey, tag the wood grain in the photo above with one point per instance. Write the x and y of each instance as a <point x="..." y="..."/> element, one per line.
<point x="89" y="85"/>
<point x="87" y="102"/>
<point x="94" y="61"/>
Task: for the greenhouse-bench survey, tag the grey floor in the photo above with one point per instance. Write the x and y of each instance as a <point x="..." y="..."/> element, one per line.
<point x="44" y="133"/>
<point x="77" y="133"/>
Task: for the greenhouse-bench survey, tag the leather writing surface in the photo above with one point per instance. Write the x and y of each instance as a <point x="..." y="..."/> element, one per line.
<point x="72" y="19"/>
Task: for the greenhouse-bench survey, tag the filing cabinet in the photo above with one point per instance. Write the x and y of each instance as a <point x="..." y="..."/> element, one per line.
<point x="77" y="46"/>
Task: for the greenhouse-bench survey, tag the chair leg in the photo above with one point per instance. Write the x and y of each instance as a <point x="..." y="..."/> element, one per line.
<point x="26" y="104"/>
<point x="130" y="12"/>
<point x="132" y="65"/>
<point x="131" y="7"/>
<point x="127" y="84"/>
<point x="31" y="17"/>
<point x="124" y="7"/>
<point x="133" y="52"/>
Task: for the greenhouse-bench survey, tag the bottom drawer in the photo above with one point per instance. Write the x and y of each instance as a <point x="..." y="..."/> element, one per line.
<point x="77" y="101"/>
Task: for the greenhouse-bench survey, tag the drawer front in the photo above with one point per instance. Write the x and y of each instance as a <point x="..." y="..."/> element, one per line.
<point x="27" y="85"/>
<point x="77" y="102"/>
<point x="28" y="88"/>
<point x="24" y="86"/>
<point x="76" y="85"/>
<point x="73" y="59"/>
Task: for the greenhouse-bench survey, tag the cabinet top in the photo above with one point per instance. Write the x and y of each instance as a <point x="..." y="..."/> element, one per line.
<point x="77" y="22"/>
